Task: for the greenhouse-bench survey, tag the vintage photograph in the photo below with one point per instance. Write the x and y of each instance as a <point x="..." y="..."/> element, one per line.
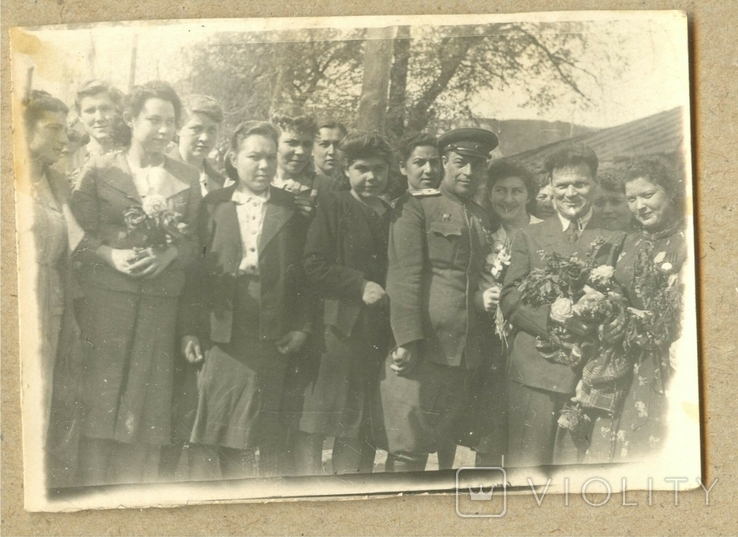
<point x="294" y="258"/>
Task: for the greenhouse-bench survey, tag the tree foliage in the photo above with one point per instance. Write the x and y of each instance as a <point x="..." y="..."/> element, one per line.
<point x="435" y="73"/>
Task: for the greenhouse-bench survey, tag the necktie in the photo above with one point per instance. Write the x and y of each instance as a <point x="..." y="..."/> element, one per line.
<point x="572" y="232"/>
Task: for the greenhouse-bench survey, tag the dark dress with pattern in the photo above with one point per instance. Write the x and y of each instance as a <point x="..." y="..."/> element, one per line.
<point x="641" y="427"/>
<point x="346" y="246"/>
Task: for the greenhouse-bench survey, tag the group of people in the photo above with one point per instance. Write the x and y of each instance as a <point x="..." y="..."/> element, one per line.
<point x="321" y="285"/>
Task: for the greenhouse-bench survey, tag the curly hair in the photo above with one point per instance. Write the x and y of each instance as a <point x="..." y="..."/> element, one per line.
<point x="657" y="170"/>
<point x="411" y="140"/>
<point x="293" y="119"/>
<point x="39" y="102"/>
<point x="359" y="145"/>
<point x="95" y="87"/>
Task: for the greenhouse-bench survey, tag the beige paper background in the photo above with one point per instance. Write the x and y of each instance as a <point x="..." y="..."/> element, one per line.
<point x="713" y="27"/>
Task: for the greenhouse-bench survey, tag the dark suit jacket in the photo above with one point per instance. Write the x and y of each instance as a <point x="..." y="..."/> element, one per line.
<point x="437" y="249"/>
<point x="208" y="311"/>
<point x="215" y="178"/>
<point x="105" y="190"/>
<point x="526" y="364"/>
<point x="343" y="250"/>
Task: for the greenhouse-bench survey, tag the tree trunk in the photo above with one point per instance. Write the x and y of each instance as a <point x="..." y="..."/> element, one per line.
<point x="377" y="65"/>
<point x="398" y="83"/>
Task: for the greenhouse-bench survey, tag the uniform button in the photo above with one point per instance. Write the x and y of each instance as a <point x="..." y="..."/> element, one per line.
<point x="253" y="249"/>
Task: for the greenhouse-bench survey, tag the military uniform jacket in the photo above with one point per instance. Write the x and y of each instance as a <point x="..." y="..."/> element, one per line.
<point x="437" y="247"/>
<point x="526" y="365"/>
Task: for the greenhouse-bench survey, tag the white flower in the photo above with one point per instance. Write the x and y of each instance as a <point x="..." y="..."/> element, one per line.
<point x="659" y="257"/>
<point x="561" y="310"/>
<point x="666" y="267"/>
<point x="621" y="435"/>
<point x="653" y="441"/>
<point x="641" y="408"/>
<point x="603" y="272"/>
<point x="605" y="431"/>
<point x="154" y="205"/>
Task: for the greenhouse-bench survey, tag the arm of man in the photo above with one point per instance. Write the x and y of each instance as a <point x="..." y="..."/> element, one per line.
<point x="407" y="246"/>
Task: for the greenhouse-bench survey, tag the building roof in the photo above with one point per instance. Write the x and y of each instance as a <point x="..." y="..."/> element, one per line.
<point x="659" y="134"/>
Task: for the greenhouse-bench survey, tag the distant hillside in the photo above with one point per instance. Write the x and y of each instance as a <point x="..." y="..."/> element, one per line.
<point x="519" y="135"/>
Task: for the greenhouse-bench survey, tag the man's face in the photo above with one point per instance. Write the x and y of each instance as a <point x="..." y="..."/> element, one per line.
<point x="573" y="190"/>
<point x="325" y="149"/>
<point x="462" y="173"/>
<point x="197" y="137"/>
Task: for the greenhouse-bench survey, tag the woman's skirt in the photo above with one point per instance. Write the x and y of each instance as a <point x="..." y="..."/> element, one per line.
<point x="241" y="386"/>
<point x="128" y="367"/>
<point x="336" y="388"/>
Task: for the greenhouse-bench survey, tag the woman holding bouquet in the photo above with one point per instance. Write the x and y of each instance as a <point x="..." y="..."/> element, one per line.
<point x="510" y="195"/>
<point x="648" y="270"/>
<point x="133" y="277"/>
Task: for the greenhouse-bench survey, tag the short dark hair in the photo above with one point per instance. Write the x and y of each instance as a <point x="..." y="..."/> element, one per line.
<point x="571" y="155"/>
<point x="657" y="170"/>
<point x="611" y="180"/>
<point x="293" y="119"/>
<point x="331" y="124"/>
<point x="156" y="89"/>
<point x="97" y="87"/>
<point x="202" y="104"/>
<point x="252" y="128"/>
<point x="504" y="168"/>
<point x="39" y="102"/>
<point x="359" y="145"/>
<point x="411" y="140"/>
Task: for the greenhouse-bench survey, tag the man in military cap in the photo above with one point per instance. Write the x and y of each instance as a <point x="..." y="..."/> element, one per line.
<point x="437" y="249"/>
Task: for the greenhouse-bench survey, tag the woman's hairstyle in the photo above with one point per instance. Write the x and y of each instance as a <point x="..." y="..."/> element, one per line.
<point x="411" y="140"/>
<point x="331" y="124"/>
<point x="156" y="89"/>
<point x="97" y="87"/>
<point x="252" y="128"/>
<point x="358" y="145"/>
<point x="37" y="103"/>
<point x="504" y="168"/>
<point x="571" y="155"/>
<point x="293" y="119"/>
<point x="202" y="104"/>
<point x="656" y="170"/>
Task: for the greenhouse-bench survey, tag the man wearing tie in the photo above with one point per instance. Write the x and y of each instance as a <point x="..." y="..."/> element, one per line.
<point x="538" y="389"/>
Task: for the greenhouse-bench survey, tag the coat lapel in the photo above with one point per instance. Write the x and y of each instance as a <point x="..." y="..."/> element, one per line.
<point x="276" y="216"/>
<point x="226" y="245"/>
<point x="120" y="178"/>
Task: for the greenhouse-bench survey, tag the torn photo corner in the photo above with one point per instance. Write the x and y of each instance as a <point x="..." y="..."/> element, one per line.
<point x="244" y="275"/>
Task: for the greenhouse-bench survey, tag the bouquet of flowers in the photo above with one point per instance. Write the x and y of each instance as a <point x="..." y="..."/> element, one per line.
<point x="578" y="288"/>
<point x="153" y="224"/>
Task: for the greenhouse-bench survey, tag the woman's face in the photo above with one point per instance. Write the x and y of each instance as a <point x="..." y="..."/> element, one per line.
<point x="368" y="176"/>
<point x="256" y="162"/>
<point x="649" y="203"/>
<point x="98" y="113"/>
<point x="48" y="137"/>
<point x="508" y="197"/>
<point x="422" y="168"/>
<point x="154" y="126"/>
<point x="544" y="202"/>
<point x="294" y="151"/>
<point x="325" y="149"/>
<point x="611" y="210"/>
<point x="197" y="137"/>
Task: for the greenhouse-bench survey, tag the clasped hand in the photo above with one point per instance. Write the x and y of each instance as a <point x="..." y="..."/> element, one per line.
<point x="147" y="263"/>
<point x="404" y="359"/>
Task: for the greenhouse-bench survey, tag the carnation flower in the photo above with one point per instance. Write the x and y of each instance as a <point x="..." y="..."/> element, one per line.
<point x="561" y="310"/>
<point x="154" y="205"/>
